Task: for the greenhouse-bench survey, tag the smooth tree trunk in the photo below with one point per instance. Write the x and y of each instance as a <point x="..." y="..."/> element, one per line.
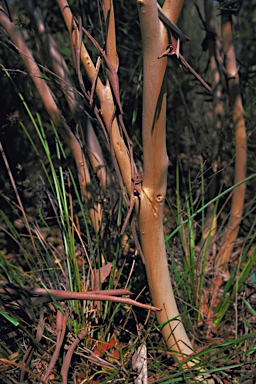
<point x="237" y="111"/>
<point x="152" y="198"/>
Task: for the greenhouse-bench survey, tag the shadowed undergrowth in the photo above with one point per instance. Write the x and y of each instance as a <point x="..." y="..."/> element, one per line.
<point x="54" y="248"/>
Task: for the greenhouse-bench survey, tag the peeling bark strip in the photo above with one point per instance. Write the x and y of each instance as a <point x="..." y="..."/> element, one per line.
<point x="171" y="25"/>
<point x="112" y="75"/>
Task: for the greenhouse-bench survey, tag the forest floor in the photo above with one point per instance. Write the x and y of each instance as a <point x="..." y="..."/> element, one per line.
<point x="36" y="337"/>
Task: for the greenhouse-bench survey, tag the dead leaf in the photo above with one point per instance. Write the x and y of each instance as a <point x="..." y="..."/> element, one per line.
<point x="101" y="275"/>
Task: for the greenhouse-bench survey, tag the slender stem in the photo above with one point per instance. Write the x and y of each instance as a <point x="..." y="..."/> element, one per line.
<point x="240" y="142"/>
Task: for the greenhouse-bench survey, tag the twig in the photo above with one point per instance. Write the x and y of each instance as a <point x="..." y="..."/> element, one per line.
<point x="45" y="296"/>
<point x="173" y="27"/>
<point x="61" y="329"/>
<point x="174" y="53"/>
<point x="68" y="357"/>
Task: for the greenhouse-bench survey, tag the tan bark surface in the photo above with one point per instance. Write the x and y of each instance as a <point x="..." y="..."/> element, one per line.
<point x="237" y="110"/>
<point x="155" y="40"/>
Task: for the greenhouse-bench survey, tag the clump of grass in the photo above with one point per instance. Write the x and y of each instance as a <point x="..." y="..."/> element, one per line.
<point x="217" y="308"/>
<point x="62" y="251"/>
<point x="57" y="252"/>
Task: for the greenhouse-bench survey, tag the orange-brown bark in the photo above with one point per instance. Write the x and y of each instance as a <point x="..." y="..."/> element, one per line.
<point x="155" y="40"/>
<point x="107" y="104"/>
<point x="240" y="142"/>
<point x="213" y="41"/>
<point x="109" y="17"/>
